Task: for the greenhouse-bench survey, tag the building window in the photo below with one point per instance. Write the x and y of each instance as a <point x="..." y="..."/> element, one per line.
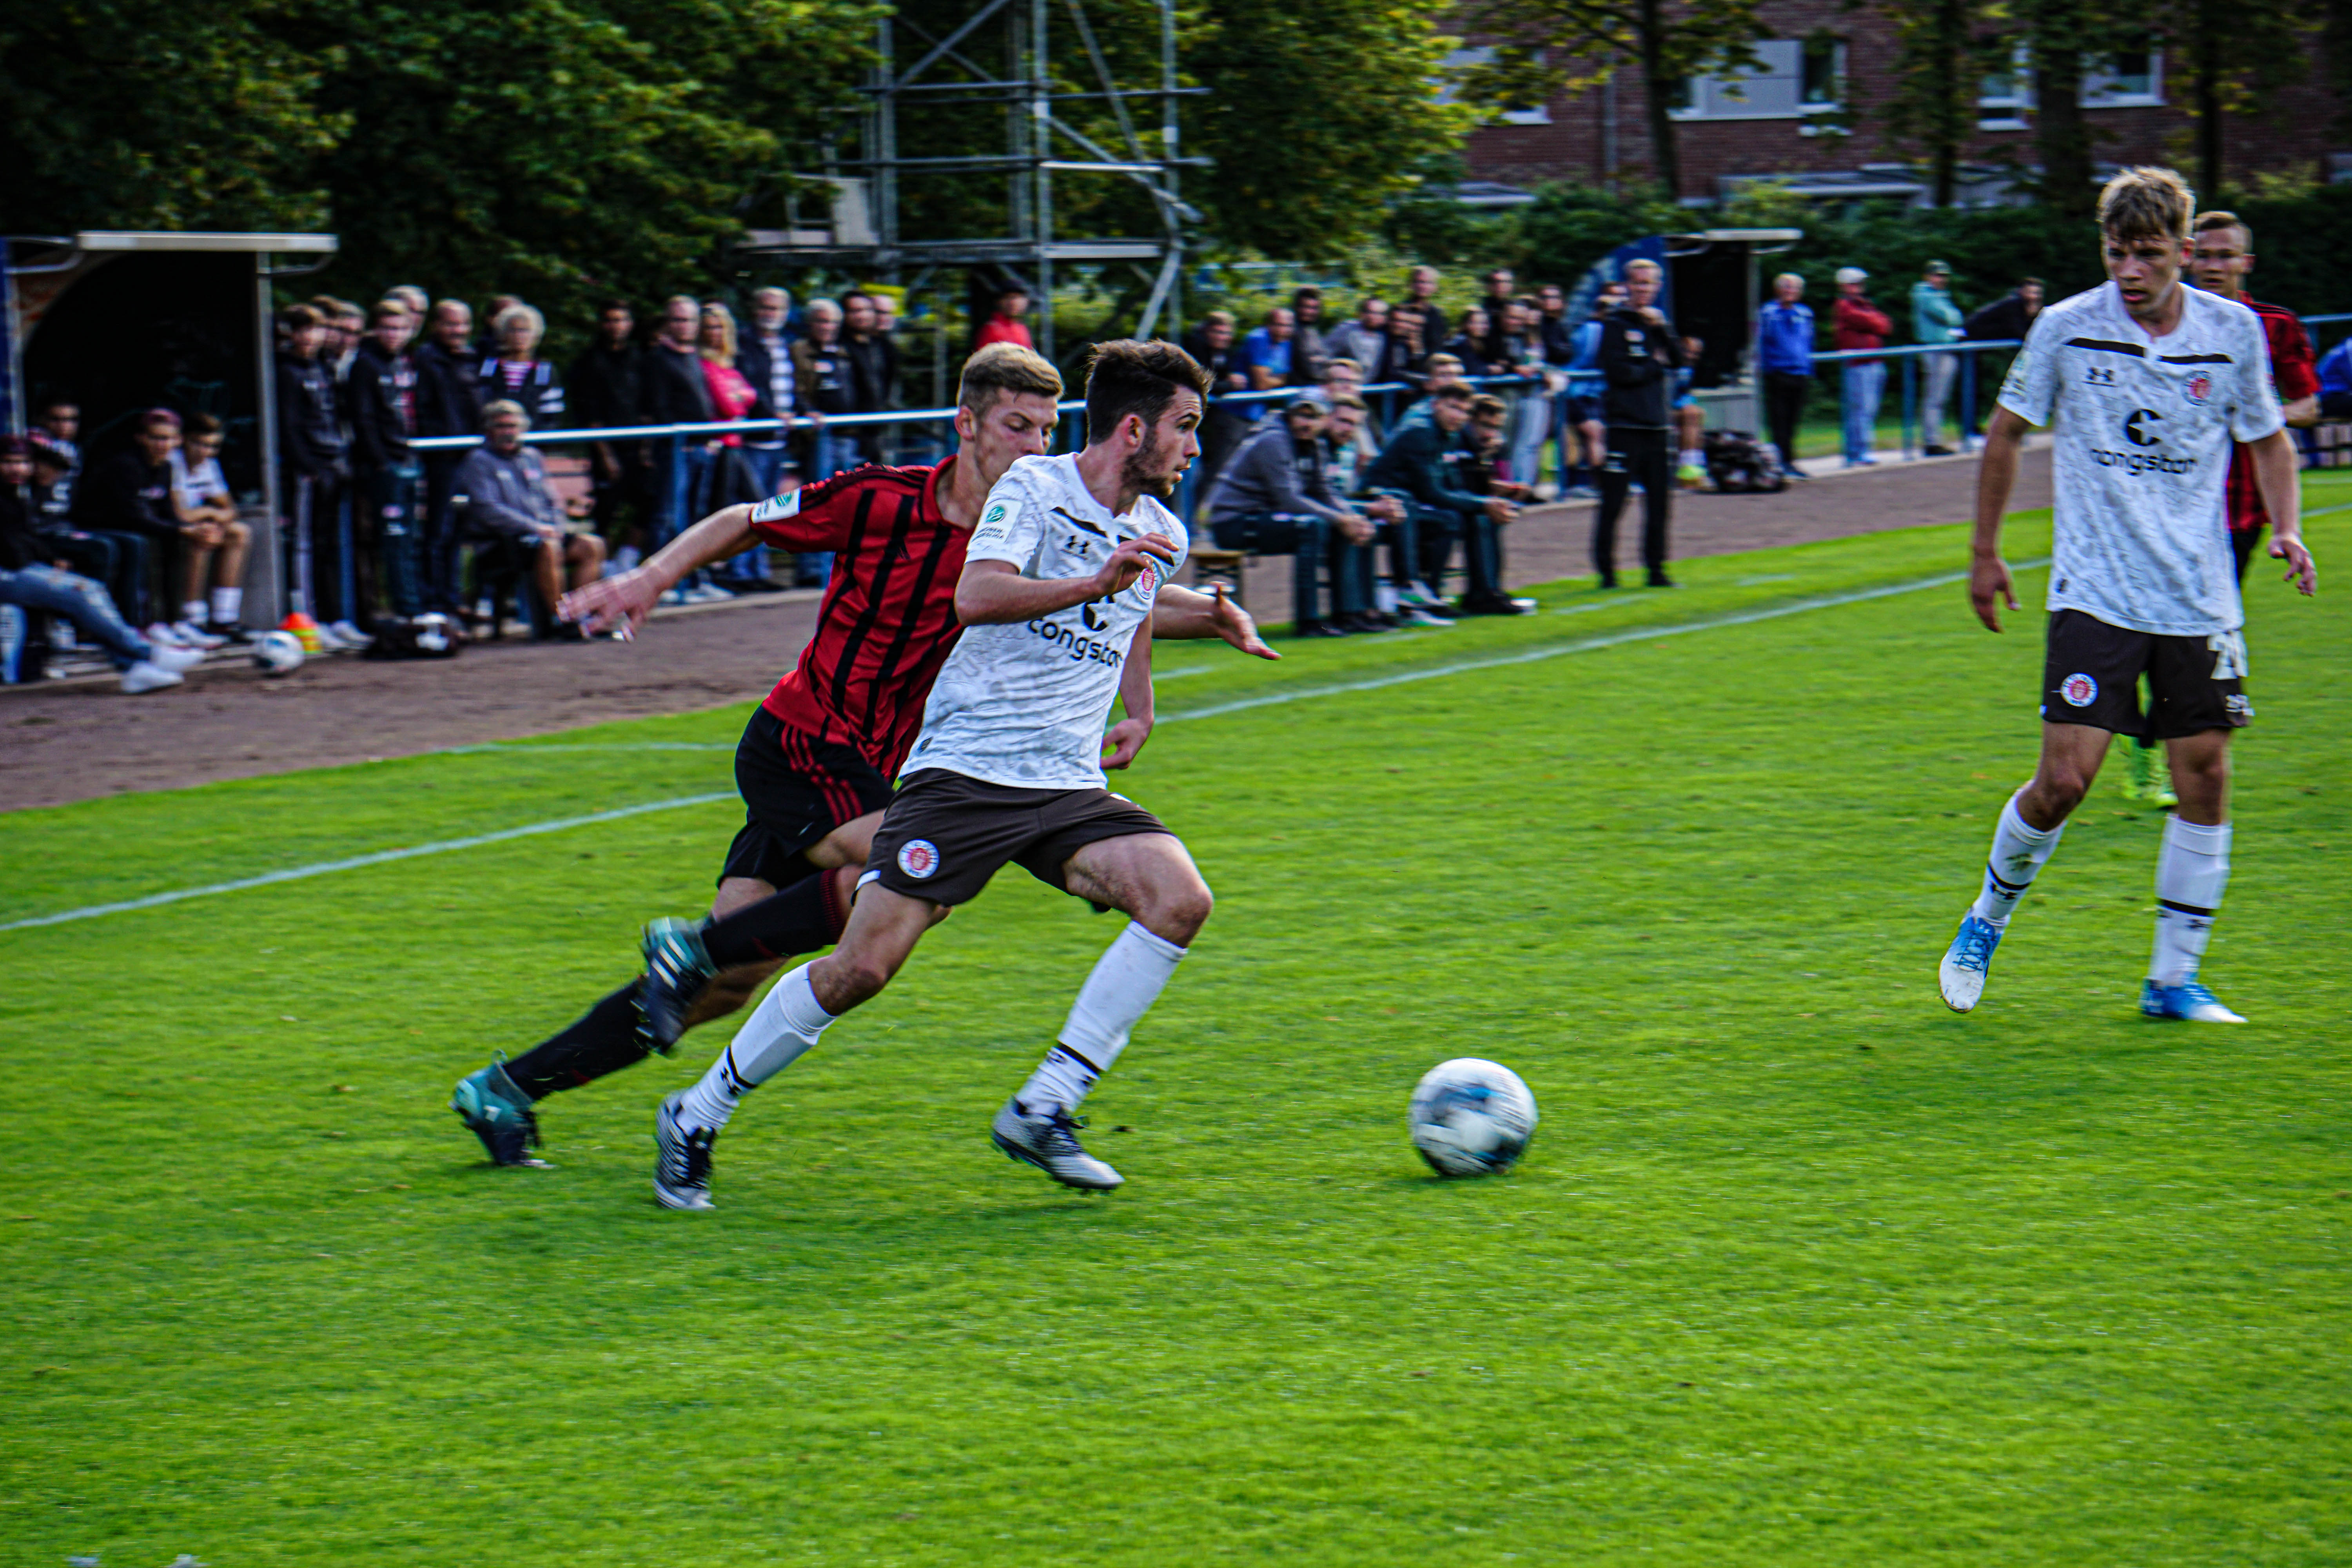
<point x="1771" y="90"/>
<point x="1512" y="115"/>
<point x="1822" y="74"/>
<point x="2005" y="96"/>
<point x="2129" y="79"/>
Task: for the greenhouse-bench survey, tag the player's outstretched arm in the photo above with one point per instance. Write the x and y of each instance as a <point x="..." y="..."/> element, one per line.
<point x="1126" y="737"/>
<point x="1989" y="582"/>
<point x="1188" y="613"/>
<point x="2276" y="476"/>
<point x="626" y="598"/>
<point x="994" y="592"/>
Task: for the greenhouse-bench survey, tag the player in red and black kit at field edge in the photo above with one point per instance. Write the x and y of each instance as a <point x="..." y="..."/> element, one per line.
<point x="815" y="761"/>
<point x="2224" y="255"/>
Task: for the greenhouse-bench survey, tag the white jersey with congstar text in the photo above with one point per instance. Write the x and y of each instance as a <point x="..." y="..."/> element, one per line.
<point x="2143" y="454"/>
<point x="1023" y="704"/>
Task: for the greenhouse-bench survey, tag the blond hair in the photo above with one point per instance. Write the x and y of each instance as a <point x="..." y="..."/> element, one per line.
<point x="2146" y="203"/>
<point x="1005" y="368"/>
<point x="725" y="352"/>
<point x="492" y="412"/>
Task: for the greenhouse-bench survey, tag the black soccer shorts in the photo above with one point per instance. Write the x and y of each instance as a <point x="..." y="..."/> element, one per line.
<point x="2091" y="676"/>
<point x="947" y="834"/>
<point x="796" y="789"/>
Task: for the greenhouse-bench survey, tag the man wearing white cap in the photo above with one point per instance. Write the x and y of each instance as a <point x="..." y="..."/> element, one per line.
<point x="1859" y="324"/>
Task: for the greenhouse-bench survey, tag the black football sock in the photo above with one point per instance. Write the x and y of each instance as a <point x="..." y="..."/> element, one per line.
<point x="803" y="918"/>
<point x="603" y="1040"/>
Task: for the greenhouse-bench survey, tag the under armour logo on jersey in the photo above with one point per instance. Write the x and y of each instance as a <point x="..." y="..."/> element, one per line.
<point x="2133" y="431"/>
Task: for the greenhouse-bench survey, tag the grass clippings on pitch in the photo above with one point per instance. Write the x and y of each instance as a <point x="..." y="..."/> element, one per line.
<point x="1801" y="1268"/>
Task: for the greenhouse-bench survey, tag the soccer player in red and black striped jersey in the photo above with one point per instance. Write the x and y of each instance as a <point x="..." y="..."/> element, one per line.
<point x="816" y="763"/>
<point x="2223" y="256"/>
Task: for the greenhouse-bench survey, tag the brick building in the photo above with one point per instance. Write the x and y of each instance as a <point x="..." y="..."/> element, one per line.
<point x="1830" y="63"/>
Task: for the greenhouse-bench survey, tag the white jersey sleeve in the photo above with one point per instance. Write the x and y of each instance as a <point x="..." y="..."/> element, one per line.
<point x="1011" y="525"/>
<point x="2030" y="391"/>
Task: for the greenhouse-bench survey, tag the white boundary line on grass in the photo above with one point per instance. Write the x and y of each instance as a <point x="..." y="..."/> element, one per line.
<point x="1272" y="699"/>
<point x="381" y="857"/>
<point x="1586" y="644"/>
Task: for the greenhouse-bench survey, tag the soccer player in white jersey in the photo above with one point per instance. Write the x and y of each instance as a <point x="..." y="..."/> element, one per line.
<point x="2148" y="383"/>
<point x="1064" y="587"/>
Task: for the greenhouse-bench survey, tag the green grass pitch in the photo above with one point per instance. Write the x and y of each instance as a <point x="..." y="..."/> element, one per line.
<point x="1800" y="1270"/>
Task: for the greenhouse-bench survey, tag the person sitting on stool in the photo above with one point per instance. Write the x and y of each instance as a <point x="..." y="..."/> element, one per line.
<point x="508" y="500"/>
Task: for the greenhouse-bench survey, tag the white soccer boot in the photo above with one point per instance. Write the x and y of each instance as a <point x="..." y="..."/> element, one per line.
<point x="149" y="676"/>
<point x="1967" y="963"/>
<point x="1049" y="1141"/>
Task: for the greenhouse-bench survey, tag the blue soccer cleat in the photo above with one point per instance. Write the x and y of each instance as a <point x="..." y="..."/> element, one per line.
<point x="1966" y="964"/>
<point x="500" y="1114"/>
<point x="2188" y="1000"/>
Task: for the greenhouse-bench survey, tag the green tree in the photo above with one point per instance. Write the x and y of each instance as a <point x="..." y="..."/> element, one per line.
<point x="193" y="116"/>
<point x="1322" y="112"/>
<point x="1570" y="226"/>
<point x="2230" y="56"/>
<point x="1942" y="54"/>
<point x="1545" y="47"/>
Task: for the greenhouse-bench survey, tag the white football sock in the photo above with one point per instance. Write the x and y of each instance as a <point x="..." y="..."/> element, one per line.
<point x="193" y="612"/>
<point x="227" y="604"/>
<point x="1127" y="979"/>
<point x="779" y="1032"/>
<point x="2190" y="873"/>
<point x="2018" y="852"/>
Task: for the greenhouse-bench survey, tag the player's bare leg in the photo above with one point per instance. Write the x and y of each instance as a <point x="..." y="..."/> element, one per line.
<point x="842" y="850"/>
<point x="883" y="927"/>
<point x="2022" y="842"/>
<point x="1152" y="879"/>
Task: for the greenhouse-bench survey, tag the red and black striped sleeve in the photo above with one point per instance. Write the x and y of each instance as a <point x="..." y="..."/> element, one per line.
<point x="2291" y="369"/>
<point x="814" y="517"/>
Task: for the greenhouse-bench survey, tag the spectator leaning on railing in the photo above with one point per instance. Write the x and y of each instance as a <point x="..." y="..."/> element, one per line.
<point x="1308" y="350"/>
<point x="1859" y="325"/>
<point x="727" y="480"/>
<point x="1468" y="346"/>
<point x="676" y="394"/>
<point x="518" y="374"/>
<point x="509" y="505"/>
<point x="1418" y="467"/>
<point x="827" y="385"/>
<point x="1936" y="320"/>
<point x="1272" y="499"/>
<point x="2009" y="317"/>
<point x="1784" y="352"/>
<point x="449" y="403"/>
<point x="32" y="580"/>
<point x="765" y="358"/>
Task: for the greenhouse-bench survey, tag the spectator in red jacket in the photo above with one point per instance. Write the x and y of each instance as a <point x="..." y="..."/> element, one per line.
<point x="1859" y="324"/>
<point x="1006" y="325"/>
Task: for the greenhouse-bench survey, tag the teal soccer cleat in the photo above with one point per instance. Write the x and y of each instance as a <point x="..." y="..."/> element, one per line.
<point x="678" y="968"/>
<point x="500" y="1114"/>
<point x="2188" y="1000"/>
<point x="1967" y="963"/>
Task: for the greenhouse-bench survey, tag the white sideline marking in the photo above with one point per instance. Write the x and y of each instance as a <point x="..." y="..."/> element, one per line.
<point x="1587" y="645"/>
<point x="1274" y="699"/>
<point x="380" y="857"/>
<point x="591" y="746"/>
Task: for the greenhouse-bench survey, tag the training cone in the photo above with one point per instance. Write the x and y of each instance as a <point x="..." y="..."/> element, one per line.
<point x="305" y="628"/>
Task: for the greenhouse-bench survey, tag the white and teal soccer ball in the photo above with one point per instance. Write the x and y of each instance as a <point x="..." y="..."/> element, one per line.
<point x="278" y="653"/>
<point x="1472" y="1118"/>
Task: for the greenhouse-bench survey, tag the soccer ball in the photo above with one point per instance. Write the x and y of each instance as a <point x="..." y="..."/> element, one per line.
<point x="1472" y="1118"/>
<point x="278" y="653"/>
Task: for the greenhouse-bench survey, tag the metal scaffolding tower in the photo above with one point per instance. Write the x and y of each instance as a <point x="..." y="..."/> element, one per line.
<point x="943" y="99"/>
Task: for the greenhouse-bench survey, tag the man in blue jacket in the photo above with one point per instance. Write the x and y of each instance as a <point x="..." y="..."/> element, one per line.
<point x="1420" y="466"/>
<point x="1784" y="352"/>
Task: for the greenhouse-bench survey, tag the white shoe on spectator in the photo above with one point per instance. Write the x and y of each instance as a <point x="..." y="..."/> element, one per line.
<point x="177" y="659"/>
<point x="193" y="636"/>
<point x="147" y="676"/>
<point x="328" y="641"/>
<point x="350" y="636"/>
<point x="163" y="636"/>
<point x="707" y="593"/>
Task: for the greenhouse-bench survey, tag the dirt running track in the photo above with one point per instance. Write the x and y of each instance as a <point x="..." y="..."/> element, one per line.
<point x="66" y="741"/>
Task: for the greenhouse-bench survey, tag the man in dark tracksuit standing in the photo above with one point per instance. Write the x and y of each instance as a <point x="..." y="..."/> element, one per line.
<point x="311" y="448"/>
<point x="449" y="403"/>
<point x="380" y="396"/>
<point x="1639" y="356"/>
